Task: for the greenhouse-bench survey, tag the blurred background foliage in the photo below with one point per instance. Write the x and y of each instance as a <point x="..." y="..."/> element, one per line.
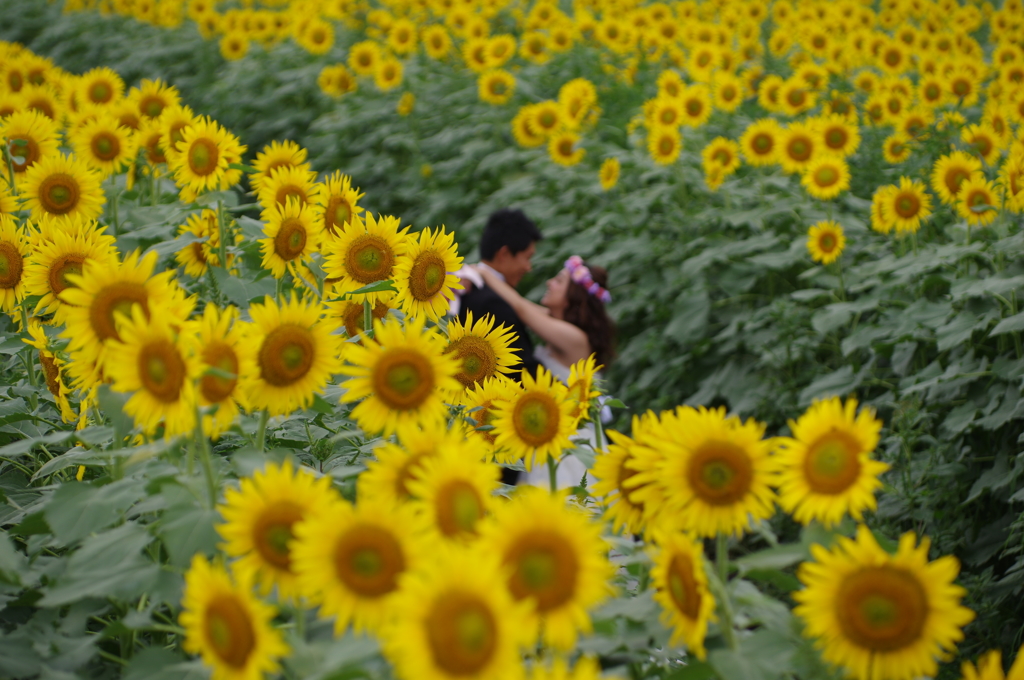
<point x="716" y="298"/>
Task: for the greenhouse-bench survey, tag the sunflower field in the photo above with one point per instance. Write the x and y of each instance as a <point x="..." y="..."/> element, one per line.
<point x="240" y="438"/>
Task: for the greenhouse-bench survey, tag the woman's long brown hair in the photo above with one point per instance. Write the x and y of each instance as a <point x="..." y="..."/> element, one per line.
<point x="587" y="313"/>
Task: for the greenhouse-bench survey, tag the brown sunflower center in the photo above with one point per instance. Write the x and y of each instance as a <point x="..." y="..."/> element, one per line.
<point x="59" y="193"/>
<point x="24" y="152"/>
<point x="832" y="464"/>
<point x="722" y="157"/>
<point x="668" y="116"/>
<point x="229" y="630"/>
<point x="882" y="608"/>
<point x="369" y="259"/>
<point x="827" y="242"/>
<point x="215" y="388"/>
<point x="116" y="298"/>
<point x="290" y="240"/>
<point x="337" y="215"/>
<point x="836" y="138"/>
<point x="368" y="560"/>
<point x="353" y="317"/>
<point x="286" y="191"/>
<point x="11" y="265"/>
<point x="426" y="279"/>
<point x="720" y="473"/>
<point x="106" y="146"/>
<point x="977" y="198"/>
<point x="907" y="205"/>
<point x="161" y="370"/>
<point x="826" y="176"/>
<point x="458" y="508"/>
<point x="796" y="97"/>
<point x="273" y="529"/>
<point x="101" y="92"/>
<point x="152" y="106"/>
<point x="961" y="87"/>
<point x="954" y="178"/>
<point x="203" y="156"/>
<point x="694" y="107"/>
<point x="763" y="143"/>
<point x="498" y="87"/>
<point x="462" y="633"/>
<point x="682" y="586"/>
<point x="666" y="146"/>
<point x="52" y="373"/>
<point x="544" y="566"/>
<point x="799" y="148"/>
<point x="536" y="418"/>
<point x="286" y="355"/>
<point x="403" y="379"/>
<point x="69" y="263"/>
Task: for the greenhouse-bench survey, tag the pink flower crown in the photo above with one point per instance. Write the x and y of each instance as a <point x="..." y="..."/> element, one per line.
<point x="580" y="273"/>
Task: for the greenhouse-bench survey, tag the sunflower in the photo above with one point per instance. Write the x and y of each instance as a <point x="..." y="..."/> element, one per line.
<point x="389" y="477"/>
<point x="681" y="588"/>
<point x="173" y="123"/>
<point x="586" y="668"/>
<point x="761" y="141"/>
<point x="198" y="256"/>
<point x="388" y="74"/>
<point x="983" y="141"/>
<point x="61" y="252"/>
<point x="962" y="86"/>
<point x="336" y="80"/>
<point x="482" y="401"/>
<point x="14" y="249"/>
<point x="336" y="201"/>
<point x="296" y="355"/>
<point x="825" y="241"/>
<point x="500" y="48"/>
<point x="8" y="203"/>
<point x="580" y="385"/>
<point x="838" y="135"/>
<point x="223" y="345"/>
<point x="696" y="105"/>
<point x="286" y="183"/>
<point x="612" y="469"/>
<point x="798" y="146"/>
<point x="365" y="252"/>
<point x="714" y="471"/>
<point x="496" y="86"/>
<point x="423" y="275"/>
<point x="317" y="37"/>
<point x="202" y="158"/>
<point x="455" y="492"/>
<point x="522" y="129"/>
<point x="727" y="91"/>
<point x="104" y="145"/>
<point x="351" y="314"/>
<point x="44" y="99"/>
<point x="158" y="366"/>
<point x="31" y="137"/>
<point x="881" y="221"/>
<point x="402" y="377"/>
<point x="562" y="148"/>
<point x="951" y="171"/>
<point x="436" y="42"/>
<point x="107" y="290"/>
<point x="670" y="84"/>
<point x="897" y="147"/>
<point x="474" y="54"/>
<point x="260" y="519"/>
<point x="229" y="627"/>
<point x="1011" y="180"/>
<point x="722" y="153"/>
<point x="151" y="140"/>
<point x="826" y="176"/>
<point x="609" y="173"/>
<point x="825" y="468"/>
<point x="406" y="104"/>
<point x="555" y="560"/>
<point x="151" y="97"/>
<point x="905" y="206"/>
<point x="533" y="47"/>
<point x="664" y="111"/>
<point x="768" y="93"/>
<point x="293" y="233"/>
<point x="548" y="117"/>
<point x="451" y="623"/>
<point x="795" y="97"/>
<point x="664" y="145"/>
<point x="990" y="667"/>
<point x="402" y="36"/>
<point x="537" y="422"/>
<point x="881" y="616"/>
<point x="61" y="185"/>
<point x="975" y="194"/>
<point x="53" y="370"/>
<point x="100" y="86"/>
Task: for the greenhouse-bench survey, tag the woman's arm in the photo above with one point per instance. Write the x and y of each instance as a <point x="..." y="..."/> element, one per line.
<point x="561" y="335"/>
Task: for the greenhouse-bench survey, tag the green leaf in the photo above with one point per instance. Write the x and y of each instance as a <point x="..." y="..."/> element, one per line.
<point x="773" y="558"/>
<point x="78" y="509"/>
<point x="241" y="291"/>
<point x="1009" y="324"/>
<point x="375" y="287"/>
<point x="12" y="563"/>
<point x="693" y="670"/>
<point x="187" y="531"/>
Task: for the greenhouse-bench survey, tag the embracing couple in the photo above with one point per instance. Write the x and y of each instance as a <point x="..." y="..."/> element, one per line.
<point x="571" y="319"/>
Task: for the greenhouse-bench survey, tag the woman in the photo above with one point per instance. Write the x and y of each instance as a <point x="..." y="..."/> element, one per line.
<point x="573" y="322"/>
<point x="571" y="317"/>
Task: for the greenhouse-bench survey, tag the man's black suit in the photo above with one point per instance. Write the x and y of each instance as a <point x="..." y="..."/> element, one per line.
<point x="482" y="301"/>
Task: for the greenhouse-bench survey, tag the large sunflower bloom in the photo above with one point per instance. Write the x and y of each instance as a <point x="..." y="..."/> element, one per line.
<point x="555" y="560"/>
<point x="761" y="141"/>
<point x="203" y="156"/>
<point x="223" y="346"/>
<point x="273" y="156"/>
<point x="977" y="193"/>
<point x="613" y="467"/>
<point x="260" y="519"/>
<point x="295" y="357"/>
<point x="481" y="401"/>
<point x="483" y="350"/>
<point x="337" y="201"/>
<point x="287" y="182"/>
<point x="907" y="205"/>
<point x="681" y="588"/>
<point x="715" y="472"/>
<point x="825" y="468"/>
<point x="293" y="233"/>
<point x="350" y="560"/>
<point x="31" y="137"/>
<point x="454" y="491"/>
<point x="881" y="616"/>
<point x="951" y="171"/>
<point x="158" y="366"/>
<point x="825" y="241"/>
<point x="227" y="625"/>
<point x="60" y="252"/>
<point x="423" y="275"/>
<point x="536" y="423"/>
<point x="14" y="249"/>
<point x="826" y="176"/>
<point x="365" y="252"/>
<point x="401" y="376"/>
<point x="105" y="145"/>
<point x="452" y="623"/>
<point x="61" y="185"/>
<point x="396" y="465"/>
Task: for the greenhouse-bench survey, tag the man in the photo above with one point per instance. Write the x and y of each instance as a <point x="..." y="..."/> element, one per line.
<point x="506" y="247"/>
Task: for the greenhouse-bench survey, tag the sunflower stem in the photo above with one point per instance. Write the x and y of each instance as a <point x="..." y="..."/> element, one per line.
<point x="222" y="246"/>
<point x="367" y="318"/>
<point x="722" y="567"/>
<point x="553" y="473"/>
<point x="261" y="433"/>
<point x="203" y="444"/>
<point x="842" y="285"/>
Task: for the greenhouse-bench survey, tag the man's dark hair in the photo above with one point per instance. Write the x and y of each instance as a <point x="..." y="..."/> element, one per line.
<point x="507" y="227"/>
